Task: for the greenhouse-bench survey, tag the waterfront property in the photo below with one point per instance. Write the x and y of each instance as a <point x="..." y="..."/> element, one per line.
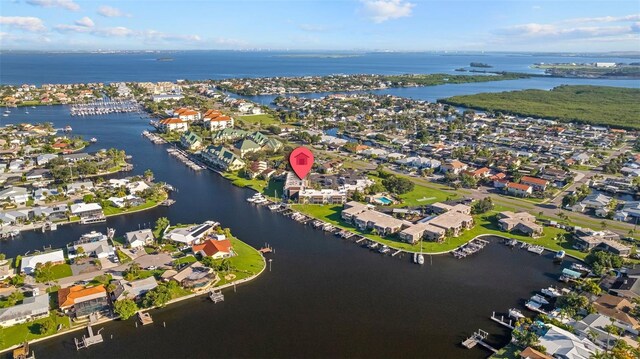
<point x="29" y="263"/>
<point x="30" y="309"/>
<point x="192" y="234"/>
<point x="587" y="239"/>
<point x="196" y="277"/>
<point x="79" y="302"/>
<point x="214" y="248"/>
<point x="139" y="238"/>
<point x="221" y="157"/>
<point x="134" y="290"/>
<point x="522" y="222"/>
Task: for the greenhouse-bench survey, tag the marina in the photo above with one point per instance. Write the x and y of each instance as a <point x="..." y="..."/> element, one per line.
<point x="103" y="107"/>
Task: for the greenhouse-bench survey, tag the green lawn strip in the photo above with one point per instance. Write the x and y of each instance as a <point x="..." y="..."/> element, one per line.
<point x="119" y="240"/>
<point x="483" y="226"/>
<point x="268" y="188"/>
<point x="19" y="333"/>
<point x="61" y="271"/>
<point x="263" y="119"/>
<point x="122" y="257"/>
<point x="423" y="193"/>
<point x="184" y="260"/>
<point x="112" y="211"/>
<point x="510" y="351"/>
<point x="247" y="262"/>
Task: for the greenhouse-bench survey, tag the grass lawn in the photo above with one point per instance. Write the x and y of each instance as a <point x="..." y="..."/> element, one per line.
<point x="112" y="211"/>
<point x="423" y="193"/>
<point x="61" y="271"/>
<point x="268" y="188"/>
<point x="148" y="273"/>
<point x="510" y="351"/>
<point x="483" y="225"/>
<point x="28" y="331"/>
<point x="247" y="262"/>
<point x="263" y="119"/>
<point x="123" y="258"/>
<point x="186" y="259"/>
<point x="119" y="240"/>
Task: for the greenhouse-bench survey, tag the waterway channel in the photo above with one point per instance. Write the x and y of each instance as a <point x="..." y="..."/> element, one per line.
<point x="325" y="297"/>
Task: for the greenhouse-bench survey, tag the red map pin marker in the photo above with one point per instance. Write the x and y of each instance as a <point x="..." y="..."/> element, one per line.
<point x="301" y="160"/>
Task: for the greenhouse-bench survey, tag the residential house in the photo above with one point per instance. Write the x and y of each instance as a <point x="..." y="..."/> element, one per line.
<point x="587" y="239"/>
<point x="219" y="122"/>
<point x="186" y="114"/>
<point x="133" y="290"/>
<point x="223" y="158"/>
<point x="196" y="277"/>
<point x="322" y="196"/>
<point x="191" y="141"/>
<point x="519" y="189"/>
<point x="228" y="134"/>
<point x="247" y="146"/>
<point x="537" y="184"/>
<point x="139" y="238"/>
<point x="191" y="235"/>
<point x="216" y="249"/>
<point x="30" y="309"/>
<point x="627" y="286"/>
<point x="173" y="124"/>
<point x="593" y="327"/>
<point x="87" y="210"/>
<point x="17" y="195"/>
<point x="561" y="343"/>
<point x="521" y="221"/>
<point x="78" y="301"/>
<point x="530" y="353"/>
<point x="596" y="201"/>
<point x="79" y="187"/>
<point x="581" y="158"/>
<point x="453" y="166"/>
<point x="618" y="308"/>
<point x="28" y="263"/>
<point x="384" y="224"/>
<point x="351" y="209"/>
<point x="43" y="159"/>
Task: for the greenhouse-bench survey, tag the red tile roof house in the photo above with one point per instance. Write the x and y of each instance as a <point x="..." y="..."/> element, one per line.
<point x="454" y="166"/>
<point x="519" y="189"/>
<point x="483" y="172"/>
<point x="173" y="124"/>
<point x="538" y="184"/>
<point x="214" y="248"/>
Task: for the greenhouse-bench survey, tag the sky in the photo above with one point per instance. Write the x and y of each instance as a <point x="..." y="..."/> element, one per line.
<point x="393" y="25"/>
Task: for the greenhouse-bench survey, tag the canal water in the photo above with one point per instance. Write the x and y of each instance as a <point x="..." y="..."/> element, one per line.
<point x="325" y="297"/>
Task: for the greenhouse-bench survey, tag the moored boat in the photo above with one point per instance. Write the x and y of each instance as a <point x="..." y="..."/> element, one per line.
<point x="559" y="256"/>
<point x="93" y="140"/>
<point x="515" y="313"/>
<point x="551" y="292"/>
<point x="540" y="299"/>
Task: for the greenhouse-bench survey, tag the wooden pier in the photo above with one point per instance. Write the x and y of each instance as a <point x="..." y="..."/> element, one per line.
<point x="501" y="320"/>
<point x="145" y="318"/>
<point x="92" y="339"/>
<point x="478" y="338"/>
<point x="216" y="296"/>
<point x="396" y="252"/>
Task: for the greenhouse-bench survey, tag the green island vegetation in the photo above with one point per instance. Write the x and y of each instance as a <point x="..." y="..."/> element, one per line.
<point x="596" y="105"/>
<point x="441" y="79"/>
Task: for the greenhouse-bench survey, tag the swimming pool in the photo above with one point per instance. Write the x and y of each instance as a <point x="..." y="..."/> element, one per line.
<point x="384" y="200"/>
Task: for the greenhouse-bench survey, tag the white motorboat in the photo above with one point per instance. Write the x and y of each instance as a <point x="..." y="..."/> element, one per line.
<point x="540" y="299"/>
<point x="515" y="313"/>
<point x="384" y="249"/>
<point x="535" y="306"/>
<point x="420" y="259"/>
<point x="551" y="292"/>
<point x="93" y="140"/>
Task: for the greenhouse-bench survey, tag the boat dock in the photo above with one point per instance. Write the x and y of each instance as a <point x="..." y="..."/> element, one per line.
<point x="90" y="340"/>
<point x="470" y="248"/>
<point x="501" y="320"/>
<point x="145" y="318"/>
<point x="478" y="338"/>
<point x="216" y="296"/>
<point x="154" y="138"/>
<point x="184" y="158"/>
<point x="102" y="107"/>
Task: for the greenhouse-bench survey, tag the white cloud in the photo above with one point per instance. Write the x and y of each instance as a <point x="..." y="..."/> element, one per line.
<point x="65" y="4"/>
<point x="26" y="23"/>
<point x="627" y="18"/>
<point x="579" y="28"/>
<point x="86" y="22"/>
<point x="383" y="10"/>
<point x="85" y="27"/>
<point x="108" y="11"/>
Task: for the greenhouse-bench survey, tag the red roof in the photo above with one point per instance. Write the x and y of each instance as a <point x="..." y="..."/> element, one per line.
<point x="498" y="176"/>
<point x="455" y="164"/>
<point x="221" y="118"/>
<point x="167" y="121"/>
<point x="60" y="145"/>
<point x="535" y="180"/>
<point x="480" y="171"/>
<point x="520" y="186"/>
<point x="211" y="247"/>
